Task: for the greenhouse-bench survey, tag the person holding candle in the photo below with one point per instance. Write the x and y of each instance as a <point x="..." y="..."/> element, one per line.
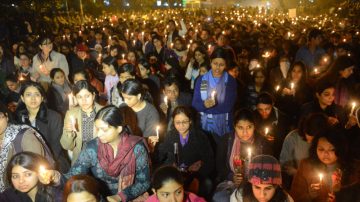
<point x="195" y="152"/>
<point x="126" y="175"/>
<point x="33" y="111"/>
<point x="174" y="97"/>
<point x="168" y="183"/>
<point x="15" y="139"/>
<point x="48" y="59"/>
<point x="328" y="158"/>
<point x="88" y="75"/>
<point x="339" y="73"/>
<point x="294" y="92"/>
<point x="79" y="120"/>
<point x="273" y="120"/>
<point x="324" y="102"/>
<point x="216" y="116"/>
<point x="150" y="81"/>
<point x="26" y="71"/>
<point x="239" y="145"/>
<point x="136" y="97"/>
<point x="297" y="143"/>
<point x="23" y="174"/>
<point x="264" y="182"/>
<point x="57" y="94"/>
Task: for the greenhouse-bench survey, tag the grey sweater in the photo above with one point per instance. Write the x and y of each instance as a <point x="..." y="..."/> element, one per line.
<point x="148" y="119"/>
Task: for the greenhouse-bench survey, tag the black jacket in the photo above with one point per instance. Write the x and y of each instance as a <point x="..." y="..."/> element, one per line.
<point x="197" y="148"/>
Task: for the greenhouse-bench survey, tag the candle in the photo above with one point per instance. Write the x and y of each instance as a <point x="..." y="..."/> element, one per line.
<point x="171" y="45"/>
<point x="73" y="123"/>
<point x="157" y="131"/>
<point x="166" y="100"/>
<point x="316" y="71"/>
<point x="123" y="56"/>
<point x="142" y="35"/>
<point x="21" y="78"/>
<point x="42" y="170"/>
<point x="266" y="130"/>
<point x="63" y="37"/>
<point x="190" y="41"/>
<point x="266" y="54"/>
<point x="292" y="85"/>
<point x="321" y="177"/>
<point x="188" y="46"/>
<point x="100" y="55"/>
<point x="80" y="32"/>
<point x="213" y="93"/>
<point x="277" y="88"/>
<point x="249" y="153"/>
<point x="325" y="59"/>
<point x="109" y="37"/>
<point x="209" y="47"/>
<point x="134" y="42"/>
<point x="353" y="105"/>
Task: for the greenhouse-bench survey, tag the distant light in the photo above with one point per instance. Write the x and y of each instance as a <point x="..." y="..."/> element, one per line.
<point x="180" y="4"/>
<point x="127" y="4"/>
<point x="13" y="5"/>
<point x="166" y="4"/>
<point x="175" y="4"/>
<point x="158" y="3"/>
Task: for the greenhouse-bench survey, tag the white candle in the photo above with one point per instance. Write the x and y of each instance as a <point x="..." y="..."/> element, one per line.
<point x="123" y="56"/>
<point x="209" y="47"/>
<point x="157" y="131"/>
<point x="292" y="86"/>
<point x="316" y="71"/>
<point x="321" y="177"/>
<point x="266" y="130"/>
<point x="188" y="46"/>
<point x="213" y="93"/>
<point x="277" y="88"/>
<point x="166" y="100"/>
<point x="171" y="45"/>
<point x="73" y="123"/>
<point x="249" y="153"/>
<point x="353" y="105"/>
<point x="42" y="170"/>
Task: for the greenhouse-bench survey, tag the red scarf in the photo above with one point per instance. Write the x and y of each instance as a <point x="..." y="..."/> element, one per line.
<point x="124" y="161"/>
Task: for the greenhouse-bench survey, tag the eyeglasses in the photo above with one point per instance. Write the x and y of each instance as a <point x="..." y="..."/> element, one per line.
<point x="182" y="122"/>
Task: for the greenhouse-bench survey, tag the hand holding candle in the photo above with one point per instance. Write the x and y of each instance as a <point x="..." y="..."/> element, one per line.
<point x="166" y="101"/>
<point x="353" y="106"/>
<point x="213" y="94"/>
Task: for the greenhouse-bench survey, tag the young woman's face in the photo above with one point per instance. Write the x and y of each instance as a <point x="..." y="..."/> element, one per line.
<point x="131" y="57"/>
<point x="85" y="99"/>
<point x="107" y="69"/>
<point x="263" y="192"/>
<point x="259" y="78"/>
<point x="327" y="97"/>
<point x="24" y="61"/>
<point x="3" y="123"/>
<point x="182" y="123"/>
<point x="131" y="100"/>
<point x="326" y="152"/>
<point x="105" y="132"/>
<point x="143" y="71"/>
<point x="346" y="72"/>
<point x="199" y="57"/>
<point x="81" y="196"/>
<point x="114" y="52"/>
<point x="244" y="130"/>
<point x="46" y="47"/>
<point x="125" y="76"/>
<point x="32" y="97"/>
<point x="24" y="180"/>
<point x="171" y="191"/>
<point x="59" y="78"/>
<point x="296" y="73"/>
<point x="218" y="66"/>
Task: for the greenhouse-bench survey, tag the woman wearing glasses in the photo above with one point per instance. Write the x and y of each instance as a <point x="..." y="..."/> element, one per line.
<point x="195" y="155"/>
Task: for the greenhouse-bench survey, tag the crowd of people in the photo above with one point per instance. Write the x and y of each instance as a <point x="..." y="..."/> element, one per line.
<point x="178" y="105"/>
